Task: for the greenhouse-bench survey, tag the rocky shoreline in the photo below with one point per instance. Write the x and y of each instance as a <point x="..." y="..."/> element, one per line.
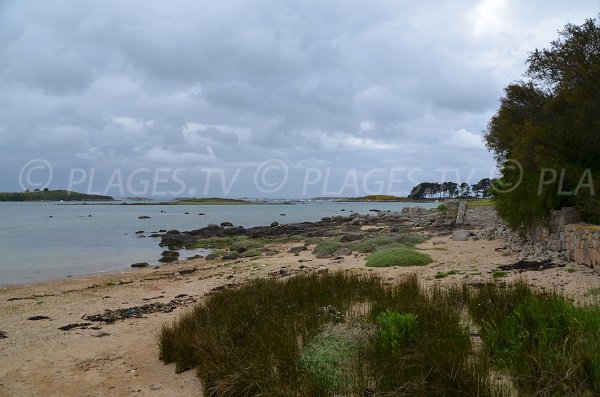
<point x="482" y="223"/>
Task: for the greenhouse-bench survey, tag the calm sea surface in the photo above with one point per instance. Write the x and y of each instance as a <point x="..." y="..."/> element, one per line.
<point x="47" y="240"/>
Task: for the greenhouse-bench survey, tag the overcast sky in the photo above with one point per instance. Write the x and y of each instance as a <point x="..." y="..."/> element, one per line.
<point x="258" y="98"/>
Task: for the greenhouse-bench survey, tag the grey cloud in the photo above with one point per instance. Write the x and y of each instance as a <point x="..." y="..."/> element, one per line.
<point x="336" y="83"/>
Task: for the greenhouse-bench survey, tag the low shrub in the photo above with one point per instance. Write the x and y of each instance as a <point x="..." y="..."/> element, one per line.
<point x="326" y="248"/>
<point x="396" y="330"/>
<point x="398" y="256"/>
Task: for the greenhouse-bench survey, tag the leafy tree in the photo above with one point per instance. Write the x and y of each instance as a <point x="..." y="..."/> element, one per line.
<point x="482" y="188"/>
<point x="546" y="133"/>
<point x="464" y="189"/>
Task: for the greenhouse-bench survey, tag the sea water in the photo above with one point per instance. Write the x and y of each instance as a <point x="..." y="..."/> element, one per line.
<point x="48" y="240"/>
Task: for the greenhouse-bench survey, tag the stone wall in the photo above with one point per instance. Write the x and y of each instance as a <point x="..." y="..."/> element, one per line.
<point x="582" y="244"/>
<point x="577" y="241"/>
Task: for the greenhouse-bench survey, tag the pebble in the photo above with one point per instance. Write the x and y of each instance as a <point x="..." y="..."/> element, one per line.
<point x="100" y="333"/>
<point x="155" y="386"/>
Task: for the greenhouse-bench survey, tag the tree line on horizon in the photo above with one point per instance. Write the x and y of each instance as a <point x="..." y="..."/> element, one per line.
<point x="424" y="190"/>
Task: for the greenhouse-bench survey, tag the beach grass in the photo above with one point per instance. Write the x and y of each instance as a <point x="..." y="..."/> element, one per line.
<point x="481" y="203"/>
<point x="349" y="335"/>
<point x="549" y="346"/>
<point x="326" y="335"/>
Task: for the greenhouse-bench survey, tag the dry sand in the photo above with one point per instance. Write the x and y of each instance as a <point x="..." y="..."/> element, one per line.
<point x="38" y="359"/>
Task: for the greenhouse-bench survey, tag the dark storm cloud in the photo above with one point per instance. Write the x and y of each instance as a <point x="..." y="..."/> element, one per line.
<point x="335" y="84"/>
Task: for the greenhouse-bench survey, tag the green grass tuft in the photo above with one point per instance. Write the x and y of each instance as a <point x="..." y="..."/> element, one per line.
<point x="398" y="256"/>
<point x="326" y="248"/>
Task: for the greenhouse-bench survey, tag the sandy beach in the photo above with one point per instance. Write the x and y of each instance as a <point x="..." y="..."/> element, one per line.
<point x="121" y="358"/>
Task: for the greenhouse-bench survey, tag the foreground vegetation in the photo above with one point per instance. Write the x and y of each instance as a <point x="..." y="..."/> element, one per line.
<point x="353" y="336"/>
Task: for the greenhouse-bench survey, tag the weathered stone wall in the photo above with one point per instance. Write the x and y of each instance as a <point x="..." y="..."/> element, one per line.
<point x="582" y="244"/>
<point x="577" y="241"/>
<point x="452" y="206"/>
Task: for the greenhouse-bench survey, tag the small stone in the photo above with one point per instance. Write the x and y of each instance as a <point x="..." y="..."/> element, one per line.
<point x="343" y="252"/>
<point x="155" y="386"/>
<point x="323" y="270"/>
<point x="100" y="334"/>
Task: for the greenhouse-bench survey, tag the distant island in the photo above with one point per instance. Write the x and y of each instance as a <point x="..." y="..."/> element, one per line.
<point x="52" y="195"/>
<point x="379" y="198"/>
<point x="210" y="201"/>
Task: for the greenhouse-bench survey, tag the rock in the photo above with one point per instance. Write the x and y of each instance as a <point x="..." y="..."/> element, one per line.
<point x="274" y="224"/>
<point x="297" y="250"/>
<point x="36" y="318"/>
<point x="358" y="222"/>
<point x="350" y="237"/>
<point x="202" y="214"/>
<point x="155" y="235"/>
<point x="231" y="255"/>
<point x="139" y="232"/>
<point x="323" y="270"/>
<point x="140" y="264"/>
<point x="438" y="242"/>
<point x="461" y="235"/>
<point x="213" y="226"/>
<point x="343" y="252"/>
<point x="226" y="224"/>
<point x="155" y="386"/>
<point x="211" y="256"/>
<point x="173" y="231"/>
<point x="326" y="219"/>
<point x="3" y="335"/>
<point x="176" y="239"/>
<point x="163" y="231"/>
<point x="282" y="215"/>
<point x="100" y="334"/>
<point x="169" y="256"/>
<point x="143" y="217"/>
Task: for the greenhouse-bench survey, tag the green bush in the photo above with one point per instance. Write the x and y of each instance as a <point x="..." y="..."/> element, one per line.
<point x="443" y="208"/>
<point x="244" y="244"/>
<point x="398" y="256"/>
<point x="328" y="358"/>
<point x="396" y="330"/>
<point x="371" y="244"/>
<point x="326" y="248"/>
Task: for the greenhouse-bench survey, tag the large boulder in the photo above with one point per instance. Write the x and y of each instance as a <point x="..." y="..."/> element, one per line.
<point x="176" y="240"/>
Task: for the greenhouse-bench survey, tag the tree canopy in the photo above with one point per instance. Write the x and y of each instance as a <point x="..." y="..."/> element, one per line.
<point x="450" y="189"/>
<point x="546" y="133"/>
